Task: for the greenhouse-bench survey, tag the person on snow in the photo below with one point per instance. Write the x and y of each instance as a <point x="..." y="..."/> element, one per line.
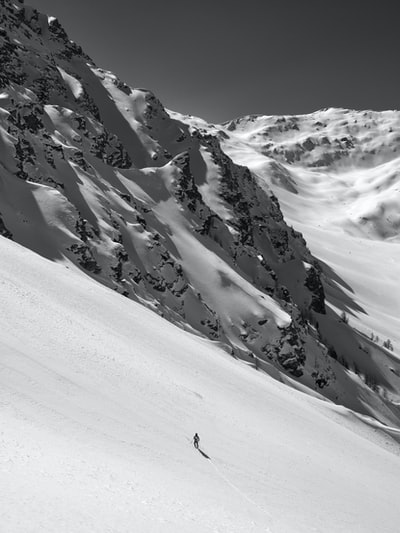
<point x="196" y="440"/>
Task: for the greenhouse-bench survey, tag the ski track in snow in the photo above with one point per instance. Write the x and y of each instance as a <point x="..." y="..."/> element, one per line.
<point x="234" y="487"/>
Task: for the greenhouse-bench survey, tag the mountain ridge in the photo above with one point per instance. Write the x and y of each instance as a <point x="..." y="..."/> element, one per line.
<point x="101" y="177"/>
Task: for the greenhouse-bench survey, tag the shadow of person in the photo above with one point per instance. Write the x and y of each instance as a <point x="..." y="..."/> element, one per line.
<point x="204" y="454"/>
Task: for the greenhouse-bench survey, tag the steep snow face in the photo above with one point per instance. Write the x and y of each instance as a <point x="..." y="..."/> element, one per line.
<point x="101" y="177"/>
<point x="99" y="400"/>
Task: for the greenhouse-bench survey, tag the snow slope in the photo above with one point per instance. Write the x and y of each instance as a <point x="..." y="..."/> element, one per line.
<point x="99" y="419"/>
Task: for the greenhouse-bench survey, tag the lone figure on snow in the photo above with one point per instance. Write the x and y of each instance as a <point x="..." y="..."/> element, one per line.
<point x="196" y="440"/>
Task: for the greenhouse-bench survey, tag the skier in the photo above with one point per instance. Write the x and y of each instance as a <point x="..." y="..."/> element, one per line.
<point x="196" y="440"/>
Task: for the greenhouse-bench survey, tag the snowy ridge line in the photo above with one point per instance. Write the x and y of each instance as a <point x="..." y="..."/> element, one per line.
<point x="373" y="422"/>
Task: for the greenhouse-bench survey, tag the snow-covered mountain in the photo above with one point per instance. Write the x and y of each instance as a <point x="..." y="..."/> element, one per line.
<point x="100" y="176"/>
<point x="349" y="157"/>
<point x="204" y="225"/>
<point x="336" y="173"/>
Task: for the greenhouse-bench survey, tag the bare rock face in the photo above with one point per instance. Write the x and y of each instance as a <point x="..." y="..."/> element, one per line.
<point x="4" y="231"/>
<point x="314" y="285"/>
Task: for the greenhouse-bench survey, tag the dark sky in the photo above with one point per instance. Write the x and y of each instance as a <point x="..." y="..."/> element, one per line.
<point x="220" y="59"/>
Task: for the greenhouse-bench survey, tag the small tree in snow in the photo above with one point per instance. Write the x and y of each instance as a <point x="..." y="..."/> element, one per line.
<point x="331" y="351"/>
<point x="388" y="344"/>
<point x="356" y="369"/>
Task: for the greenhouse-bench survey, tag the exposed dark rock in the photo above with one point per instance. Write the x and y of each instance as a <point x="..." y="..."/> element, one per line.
<point x="85" y="257"/>
<point x="4" y="232"/>
<point x="186" y="190"/>
<point x="314" y="284"/>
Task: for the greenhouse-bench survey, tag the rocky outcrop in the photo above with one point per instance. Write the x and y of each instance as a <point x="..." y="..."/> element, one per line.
<point x="4" y="232"/>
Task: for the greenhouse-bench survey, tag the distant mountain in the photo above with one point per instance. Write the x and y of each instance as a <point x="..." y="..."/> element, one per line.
<point x="184" y="217"/>
<point x="355" y="153"/>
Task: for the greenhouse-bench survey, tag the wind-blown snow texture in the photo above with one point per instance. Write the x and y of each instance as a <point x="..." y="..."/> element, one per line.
<point x="179" y="216"/>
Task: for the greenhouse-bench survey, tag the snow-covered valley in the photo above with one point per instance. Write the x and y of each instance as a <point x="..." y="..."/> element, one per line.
<point x="161" y="276"/>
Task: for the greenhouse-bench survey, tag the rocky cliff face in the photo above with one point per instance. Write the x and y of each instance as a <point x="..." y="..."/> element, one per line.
<point x="100" y="176"/>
